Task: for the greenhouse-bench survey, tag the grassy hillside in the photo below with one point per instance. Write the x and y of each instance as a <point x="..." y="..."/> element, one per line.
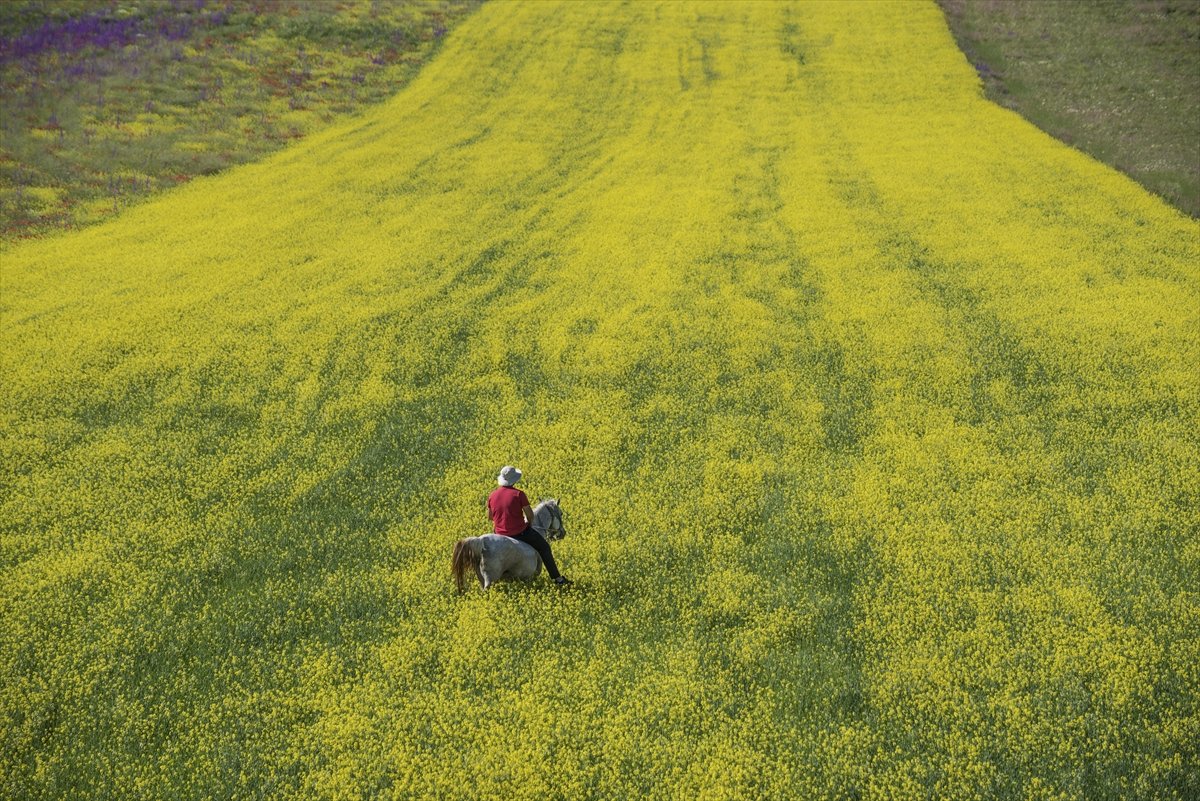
<point x="1119" y="80"/>
<point x="871" y="407"/>
<point x="104" y="103"/>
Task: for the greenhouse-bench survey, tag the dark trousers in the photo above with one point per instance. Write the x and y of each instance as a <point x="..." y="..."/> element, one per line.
<point x="539" y="544"/>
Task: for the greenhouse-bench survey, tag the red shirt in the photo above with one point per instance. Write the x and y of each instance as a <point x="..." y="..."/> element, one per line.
<point x="505" y="505"/>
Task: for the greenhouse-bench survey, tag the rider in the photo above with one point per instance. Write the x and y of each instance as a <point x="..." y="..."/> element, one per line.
<point x="512" y="517"/>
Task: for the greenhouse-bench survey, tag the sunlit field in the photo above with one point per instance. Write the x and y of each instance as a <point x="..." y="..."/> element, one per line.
<point x="872" y="410"/>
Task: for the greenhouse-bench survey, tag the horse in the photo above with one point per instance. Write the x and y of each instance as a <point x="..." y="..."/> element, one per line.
<point x="495" y="557"/>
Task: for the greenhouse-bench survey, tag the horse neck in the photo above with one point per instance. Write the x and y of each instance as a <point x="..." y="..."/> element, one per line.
<point x="541" y="518"/>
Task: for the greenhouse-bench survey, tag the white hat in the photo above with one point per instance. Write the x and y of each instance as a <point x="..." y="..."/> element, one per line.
<point x="509" y="475"/>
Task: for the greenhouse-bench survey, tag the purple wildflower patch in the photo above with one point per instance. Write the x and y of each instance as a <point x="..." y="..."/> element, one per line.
<point x="71" y="35"/>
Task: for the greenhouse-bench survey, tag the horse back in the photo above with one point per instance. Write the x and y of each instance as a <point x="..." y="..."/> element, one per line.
<point x="505" y="557"/>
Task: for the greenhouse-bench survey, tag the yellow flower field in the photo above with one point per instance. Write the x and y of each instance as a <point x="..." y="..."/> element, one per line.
<point x="873" y="411"/>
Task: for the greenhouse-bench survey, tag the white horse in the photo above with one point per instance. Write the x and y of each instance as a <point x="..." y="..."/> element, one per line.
<point x="495" y="557"/>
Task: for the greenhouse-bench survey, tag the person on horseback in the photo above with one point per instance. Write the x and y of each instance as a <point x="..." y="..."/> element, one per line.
<point x="512" y="516"/>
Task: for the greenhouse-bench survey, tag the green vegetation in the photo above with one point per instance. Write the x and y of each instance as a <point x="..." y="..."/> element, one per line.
<point x="105" y="103"/>
<point x="1118" y="79"/>
<point x="871" y="406"/>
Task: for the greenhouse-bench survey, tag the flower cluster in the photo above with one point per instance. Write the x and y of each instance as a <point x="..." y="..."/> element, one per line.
<point x="870" y="407"/>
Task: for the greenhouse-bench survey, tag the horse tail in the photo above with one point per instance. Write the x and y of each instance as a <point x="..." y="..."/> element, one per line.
<point x="466" y="559"/>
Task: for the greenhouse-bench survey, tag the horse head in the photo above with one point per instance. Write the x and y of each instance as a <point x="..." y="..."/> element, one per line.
<point x="551" y="518"/>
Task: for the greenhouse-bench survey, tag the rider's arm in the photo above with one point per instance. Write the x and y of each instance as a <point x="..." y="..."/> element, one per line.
<point x="527" y="510"/>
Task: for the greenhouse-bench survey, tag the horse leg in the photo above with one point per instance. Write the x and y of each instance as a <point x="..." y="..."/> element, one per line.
<point x="486" y="577"/>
